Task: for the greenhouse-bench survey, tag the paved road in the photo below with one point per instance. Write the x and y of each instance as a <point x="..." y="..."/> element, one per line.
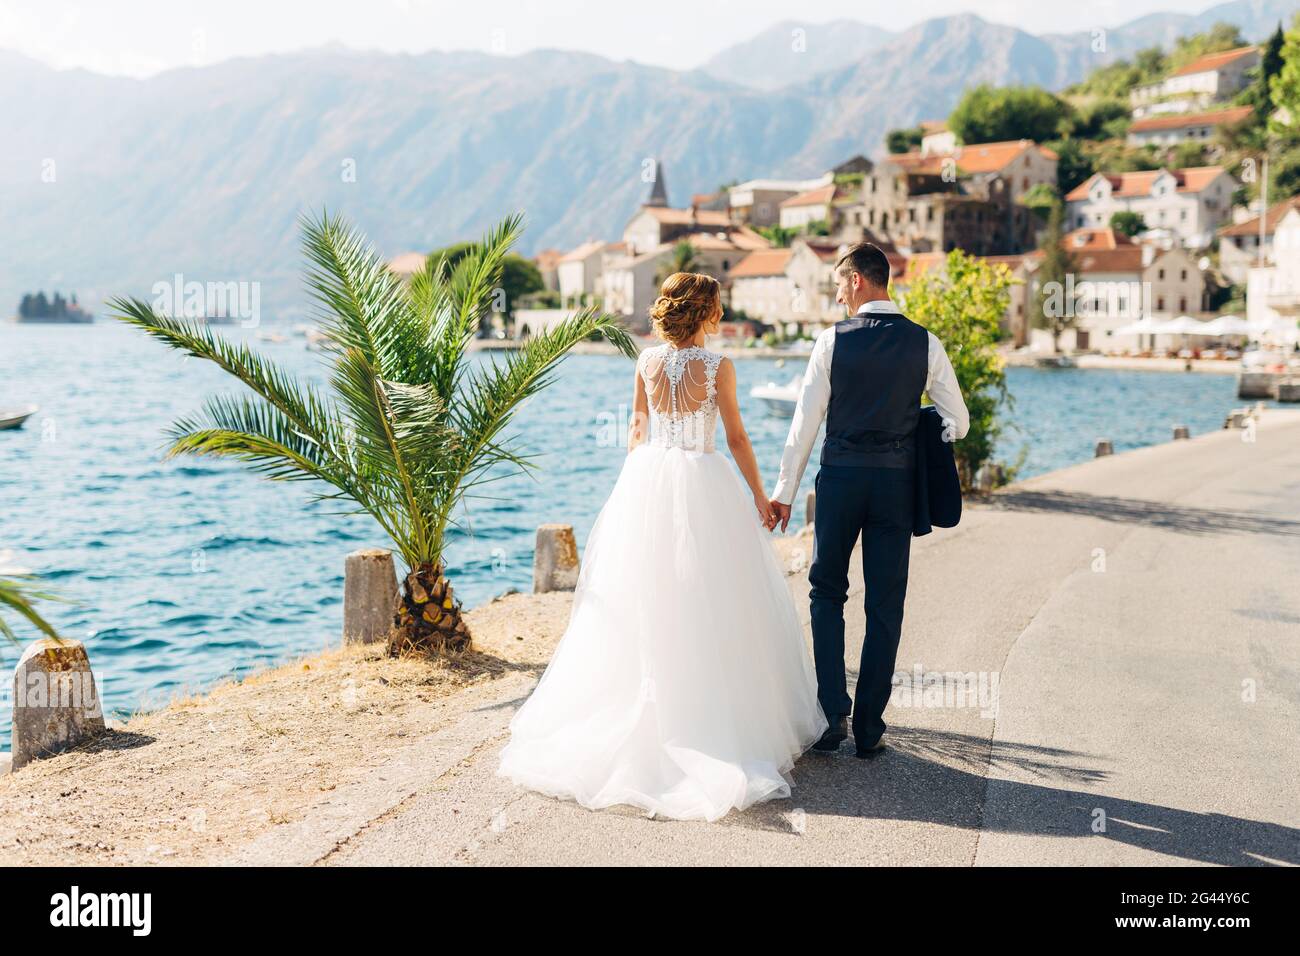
<point x="1138" y="618"/>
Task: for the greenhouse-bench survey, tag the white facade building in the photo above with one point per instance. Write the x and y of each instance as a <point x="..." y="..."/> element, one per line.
<point x="1273" y="291"/>
<point x="1208" y="79"/>
<point x="1190" y="204"/>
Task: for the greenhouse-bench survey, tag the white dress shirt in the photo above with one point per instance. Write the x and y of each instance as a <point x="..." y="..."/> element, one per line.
<point x="940" y="385"/>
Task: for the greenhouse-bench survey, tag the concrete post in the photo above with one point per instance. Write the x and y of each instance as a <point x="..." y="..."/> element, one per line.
<point x="555" y="560"/>
<point x="810" y="508"/>
<point x="56" y="703"/>
<point x="1104" y="447"/>
<point x="369" y="596"/>
<point x="1181" y="432"/>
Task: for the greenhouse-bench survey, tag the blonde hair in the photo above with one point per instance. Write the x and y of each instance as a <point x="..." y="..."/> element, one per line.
<point x="686" y="301"/>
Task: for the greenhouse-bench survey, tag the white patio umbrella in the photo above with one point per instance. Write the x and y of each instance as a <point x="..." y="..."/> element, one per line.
<point x="1143" y="326"/>
<point x="1184" y="325"/>
<point x="1227" y="325"/>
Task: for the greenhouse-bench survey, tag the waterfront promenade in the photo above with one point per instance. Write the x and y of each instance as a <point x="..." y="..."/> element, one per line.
<point x="1138" y="614"/>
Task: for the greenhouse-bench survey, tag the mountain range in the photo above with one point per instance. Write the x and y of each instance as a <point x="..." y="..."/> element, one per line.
<point x="111" y="184"/>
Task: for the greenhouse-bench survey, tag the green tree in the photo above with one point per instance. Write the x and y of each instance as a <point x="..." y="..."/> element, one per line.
<point x="519" y="277"/>
<point x="1187" y="154"/>
<point x="904" y="140"/>
<point x="1220" y="37"/>
<point x="409" y="426"/>
<point x="964" y="305"/>
<point x="1053" y="309"/>
<point x="988" y="114"/>
<point x="1073" y="164"/>
<point x="1257" y="94"/>
<point x="1099" y="118"/>
<point x="1127" y="223"/>
<point x="779" y="236"/>
<point x="1284" y="87"/>
<point x="1041" y="197"/>
<point x="683" y="259"/>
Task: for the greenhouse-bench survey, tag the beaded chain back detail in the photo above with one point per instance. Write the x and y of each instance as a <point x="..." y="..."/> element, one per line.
<point x="680" y="388"/>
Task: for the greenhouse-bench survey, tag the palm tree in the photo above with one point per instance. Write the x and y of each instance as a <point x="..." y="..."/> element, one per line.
<point x="409" y="425"/>
<point x="17" y="592"/>
<point x="683" y="259"/>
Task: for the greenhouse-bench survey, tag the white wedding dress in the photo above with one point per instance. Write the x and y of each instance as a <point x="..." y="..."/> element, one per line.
<point x="682" y="685"/>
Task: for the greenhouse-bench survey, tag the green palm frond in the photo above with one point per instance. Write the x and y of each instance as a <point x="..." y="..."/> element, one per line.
<point x="17" y="593"/>
<point x="495" y="392"/>
<point x="410" y="421"/>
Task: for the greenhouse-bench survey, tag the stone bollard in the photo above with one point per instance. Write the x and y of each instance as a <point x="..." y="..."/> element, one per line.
<point x="1104" y="447"/>
<point x="555" y="561"/>
<point x="1182" y="432"/>
<point x="56" y="703"/>
<point x="810" y="508"/>
<point x="369" y="596"/>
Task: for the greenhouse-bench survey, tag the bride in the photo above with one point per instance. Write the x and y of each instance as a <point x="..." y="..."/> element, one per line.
<point x="682" y="685"/>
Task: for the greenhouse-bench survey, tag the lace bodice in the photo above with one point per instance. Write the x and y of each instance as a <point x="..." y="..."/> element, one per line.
<point x="680" y="389"/>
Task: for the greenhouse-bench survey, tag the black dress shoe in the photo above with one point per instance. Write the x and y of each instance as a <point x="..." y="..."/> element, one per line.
<point x="835" y="735"/>
<point x="872" y="752"/>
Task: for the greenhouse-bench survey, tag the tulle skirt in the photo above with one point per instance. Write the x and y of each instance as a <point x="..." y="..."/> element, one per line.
<point x="682" y="685"/>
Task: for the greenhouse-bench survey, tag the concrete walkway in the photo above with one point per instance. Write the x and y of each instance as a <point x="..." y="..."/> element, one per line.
<point x="1139" y="618"/>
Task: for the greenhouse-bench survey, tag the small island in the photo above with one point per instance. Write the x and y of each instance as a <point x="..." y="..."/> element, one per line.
<point x="37" y="308"/>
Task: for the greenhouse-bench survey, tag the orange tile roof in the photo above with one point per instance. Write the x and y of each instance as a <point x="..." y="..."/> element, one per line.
<point x="827" y="250"/>
<point x="762" y="262"/>
<point x="1226" y="117"/>
<point x="683" y="217"/>
<point x="1250" y="227"/>
<point x="1215" y="61"/>
<point x="813" y="197"/>
<point x="1099" y="250"/>
<point x="548" y="259"/>
<point x="995" y="157"/>
<point x="1190" y="180"/>
<point x="975" y="158"/>
<point x="1094" y="239"/>
<point x="746" y="238"/>
<point x="588" y="248"/>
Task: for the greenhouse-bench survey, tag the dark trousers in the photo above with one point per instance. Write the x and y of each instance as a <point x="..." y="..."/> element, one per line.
<point x="876" y="503"/>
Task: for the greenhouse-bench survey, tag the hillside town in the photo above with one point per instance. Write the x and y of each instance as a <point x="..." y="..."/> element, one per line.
<point x="1164" y="245"/>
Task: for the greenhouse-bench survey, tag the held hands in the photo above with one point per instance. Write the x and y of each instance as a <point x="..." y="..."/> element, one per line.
<point x="781" y="513"/>
<point x="765" y="515"/>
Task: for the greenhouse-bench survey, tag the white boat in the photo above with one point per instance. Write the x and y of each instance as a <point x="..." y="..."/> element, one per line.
<point x="779" y="399"/>
<point x="14" y="417"/>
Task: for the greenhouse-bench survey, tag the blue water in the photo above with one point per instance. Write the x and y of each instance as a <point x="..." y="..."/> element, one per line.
<point x="191" y="570"/>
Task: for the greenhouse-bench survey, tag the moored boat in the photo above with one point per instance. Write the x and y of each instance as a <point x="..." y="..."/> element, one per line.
<point x="14" y="417"/>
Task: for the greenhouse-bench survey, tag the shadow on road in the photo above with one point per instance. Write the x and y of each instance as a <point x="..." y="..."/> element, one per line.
<point x="1152" y="513"/>
<point x="937" y="777"/>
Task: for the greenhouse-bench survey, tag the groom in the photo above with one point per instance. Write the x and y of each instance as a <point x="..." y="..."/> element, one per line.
<point x="865" y="378"/>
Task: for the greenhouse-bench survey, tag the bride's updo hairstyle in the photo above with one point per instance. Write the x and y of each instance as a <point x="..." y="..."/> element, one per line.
<point x="686" y="301"/>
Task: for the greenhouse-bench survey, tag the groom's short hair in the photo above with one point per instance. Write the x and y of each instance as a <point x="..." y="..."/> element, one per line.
<point x="866" y="259"/>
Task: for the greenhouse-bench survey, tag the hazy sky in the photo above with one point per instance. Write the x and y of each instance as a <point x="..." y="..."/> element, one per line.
<point x="140" y="37"/>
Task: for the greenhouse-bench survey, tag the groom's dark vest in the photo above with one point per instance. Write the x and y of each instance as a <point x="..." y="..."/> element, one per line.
<point x="878" y="370"/>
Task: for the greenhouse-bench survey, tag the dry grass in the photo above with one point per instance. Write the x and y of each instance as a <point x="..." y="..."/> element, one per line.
<point x="188" y="782"/>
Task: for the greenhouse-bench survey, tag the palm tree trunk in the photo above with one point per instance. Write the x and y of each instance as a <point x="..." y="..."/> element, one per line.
<point x="428" y="619"/>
